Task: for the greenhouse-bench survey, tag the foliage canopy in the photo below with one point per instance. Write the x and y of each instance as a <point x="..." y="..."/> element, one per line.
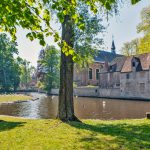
<point x="35" y="15"/>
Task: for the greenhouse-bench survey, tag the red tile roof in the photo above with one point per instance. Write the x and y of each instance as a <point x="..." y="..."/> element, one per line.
<point x="127" y="65"/>
<point x="144" y="60"/>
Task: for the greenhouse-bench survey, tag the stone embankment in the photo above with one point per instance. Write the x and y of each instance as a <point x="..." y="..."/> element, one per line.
<point x="103" y="93"/>
<point x="81" y="91"/>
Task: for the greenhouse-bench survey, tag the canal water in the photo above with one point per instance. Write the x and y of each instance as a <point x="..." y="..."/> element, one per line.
<point x="85" y="108"/>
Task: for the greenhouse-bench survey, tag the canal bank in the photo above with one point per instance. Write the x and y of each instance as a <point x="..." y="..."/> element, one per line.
<point x="110" y="93"/>
<point x="46" y="107"/>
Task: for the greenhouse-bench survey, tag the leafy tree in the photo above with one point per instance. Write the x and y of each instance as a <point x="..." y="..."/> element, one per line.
<point x="48" y="67"/>
<point x="144" y="26"/>
<point x="15" y="74"/>
<point x="88" y="41"/>
<point x="141" y="45"/>
<point x="144" y="45"/>
<point x="131" y="48"/>
<point x="27" y="71"/>
<point x="9" y="67"/>
<point x="33" y="14"/>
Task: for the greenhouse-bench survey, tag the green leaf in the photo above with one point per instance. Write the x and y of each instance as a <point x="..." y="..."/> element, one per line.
<point x="49" y="34"/>
<point x="56" y="37"/>
<point x="108" y="6"/>
<point x="81" y="26"/>
<point x="42" y="42"/>
<point x="135" y="1"/>
<point x="65" y="12"/>
<point x="71" y="52"/>
<point x="60" y="16"/>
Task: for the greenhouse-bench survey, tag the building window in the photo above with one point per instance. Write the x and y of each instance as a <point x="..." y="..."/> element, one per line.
<point x="117" y="84"/>
<point x="97" y="74"/>
<point x="128" y="76"/>
<point x="101" y="67"/>
<point x="133" y="64"/>
<point x="90" y="73"/>
<point x="113" y="68"/>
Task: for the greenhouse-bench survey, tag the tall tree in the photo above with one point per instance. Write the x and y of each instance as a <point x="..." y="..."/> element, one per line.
<point x="31" y="18"/>
<point x="48" y="68"/>
<point x="131" y="48"/>
<point x="9" y="67"/>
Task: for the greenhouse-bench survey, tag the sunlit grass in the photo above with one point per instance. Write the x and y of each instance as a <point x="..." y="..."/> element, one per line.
<point x="15" y="97"/>
<point x="24" y="134"/>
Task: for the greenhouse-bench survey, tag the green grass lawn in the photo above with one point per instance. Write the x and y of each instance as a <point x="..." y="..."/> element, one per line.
<point x="24" y="134"/>
<point x="15" y="97"/>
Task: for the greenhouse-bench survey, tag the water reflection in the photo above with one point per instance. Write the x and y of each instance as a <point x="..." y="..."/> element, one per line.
<point x="85" y="108"/>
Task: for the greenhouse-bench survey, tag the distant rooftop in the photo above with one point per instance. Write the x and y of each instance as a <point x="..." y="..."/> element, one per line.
<point x="104" y="56"/>
<point x="124" y="63"/>
<point x="144" y="60"/>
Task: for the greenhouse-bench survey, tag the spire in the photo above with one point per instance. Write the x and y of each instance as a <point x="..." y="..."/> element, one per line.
<point x="113" y="48"/>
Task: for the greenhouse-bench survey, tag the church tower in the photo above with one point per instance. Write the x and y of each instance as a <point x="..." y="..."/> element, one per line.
<point x="113" y="48"/>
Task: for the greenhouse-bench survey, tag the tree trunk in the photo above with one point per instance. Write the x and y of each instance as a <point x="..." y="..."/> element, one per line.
<point x="66" y="104"/>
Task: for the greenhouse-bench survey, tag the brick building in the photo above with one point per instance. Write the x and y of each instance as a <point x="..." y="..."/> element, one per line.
<point x="90" y="75"/>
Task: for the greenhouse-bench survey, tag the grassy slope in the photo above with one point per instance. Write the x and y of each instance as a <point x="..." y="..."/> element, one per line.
<point x="23" y="134"/>
<point x="11" y="98"/>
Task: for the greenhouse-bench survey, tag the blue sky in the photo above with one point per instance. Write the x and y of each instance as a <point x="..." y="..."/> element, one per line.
<point x="123" y="27"/>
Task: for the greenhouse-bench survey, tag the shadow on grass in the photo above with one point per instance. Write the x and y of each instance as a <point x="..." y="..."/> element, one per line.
<point x="125" y="136"/>
<point x="7" y="125"/>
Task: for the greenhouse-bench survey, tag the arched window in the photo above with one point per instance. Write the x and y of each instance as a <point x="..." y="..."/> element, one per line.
<point x="90" y="73"/>
<point x="97" y="74"/>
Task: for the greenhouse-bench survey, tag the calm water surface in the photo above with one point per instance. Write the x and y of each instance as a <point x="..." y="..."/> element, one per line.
<point x="85" y="108"/>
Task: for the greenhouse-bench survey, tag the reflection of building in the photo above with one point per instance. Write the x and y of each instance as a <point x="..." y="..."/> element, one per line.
<point x="90" y="76"/>
<point x="129" y="76"/>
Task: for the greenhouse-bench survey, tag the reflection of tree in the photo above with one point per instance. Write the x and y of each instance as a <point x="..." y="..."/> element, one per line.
<point x="48" y="107"/>
<point x="11" y="109"/>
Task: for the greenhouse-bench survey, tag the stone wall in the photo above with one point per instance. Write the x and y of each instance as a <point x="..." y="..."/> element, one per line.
<point x="109" y="93"/>
<point x="136" y="85"/>
<point x="133" y="92"/>
<point x="131" y="85"/>
<point x="109" y="80"/>
<point x="82" y="91"/>
<point x="86" y="91"/>
<point x="116" y="93"/>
